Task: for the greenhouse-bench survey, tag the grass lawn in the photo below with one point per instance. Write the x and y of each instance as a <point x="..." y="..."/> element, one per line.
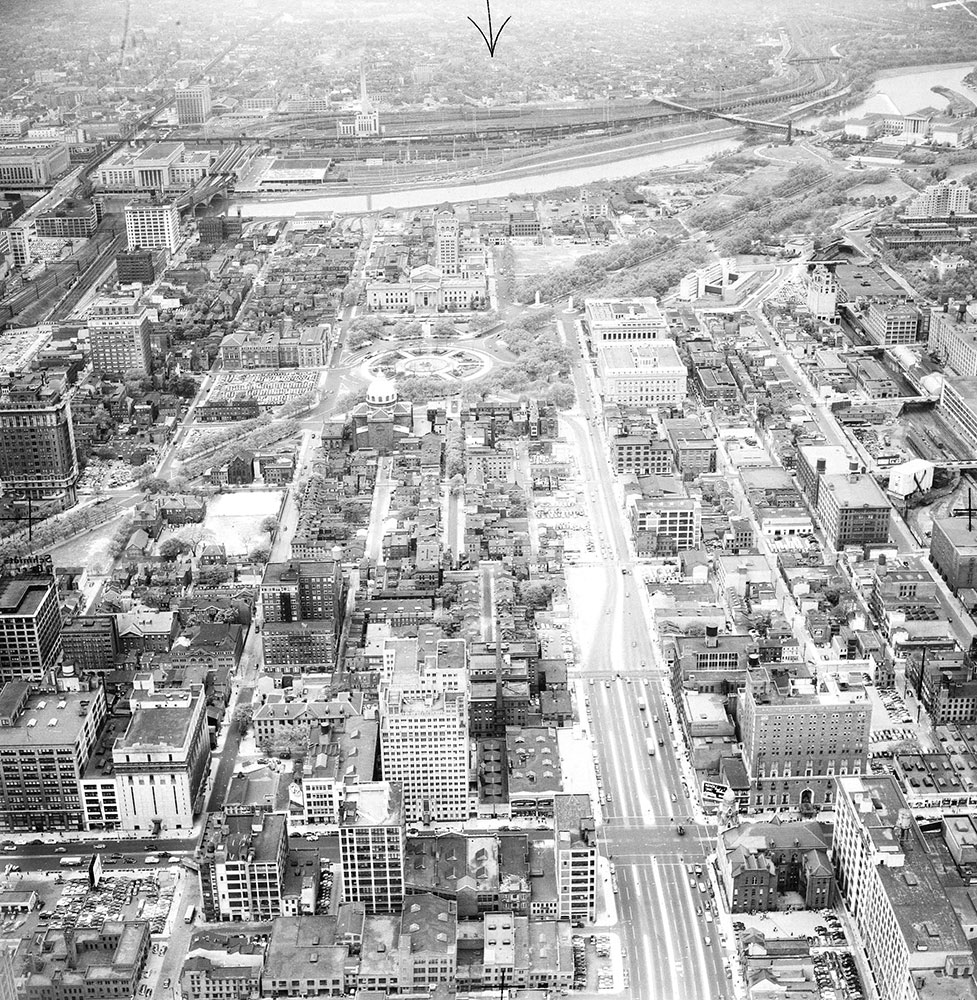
<point x="532" y="259"/>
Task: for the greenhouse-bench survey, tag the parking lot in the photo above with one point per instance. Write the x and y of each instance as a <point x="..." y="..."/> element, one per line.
<point x="132" y="896"/>
<point x="835" y="972"/>
<point x="596" y="960"/>
<point x="893" y="727"/>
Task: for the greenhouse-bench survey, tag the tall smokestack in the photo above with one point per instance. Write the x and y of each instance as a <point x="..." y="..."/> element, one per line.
<point x="364" y="100"/>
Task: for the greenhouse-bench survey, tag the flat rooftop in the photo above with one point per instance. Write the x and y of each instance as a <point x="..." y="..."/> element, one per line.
<point x="50" y="719"/>
<point x="158" y="727"/>
<point x="960" y="530"/>
<point x="159" y="151"/>
<point x="863" y="280"/>
<point x="22" y="598"/>
<point x="855" y="491"/>
<point x="379" y="804"/>
<point x="643" y="356"/>
<point x="620" y="310"/>
<point x="303" y="948"/>
<point x="965" y="387"/>
<point x="914" y="890"/>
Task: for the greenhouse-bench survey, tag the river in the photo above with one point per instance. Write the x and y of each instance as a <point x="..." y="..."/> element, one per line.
<point x="902" y="91"/>
<point x="545" y="180"/>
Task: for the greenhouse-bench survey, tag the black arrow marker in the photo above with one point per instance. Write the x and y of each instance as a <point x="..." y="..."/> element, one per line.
<point x="491" y="41"/>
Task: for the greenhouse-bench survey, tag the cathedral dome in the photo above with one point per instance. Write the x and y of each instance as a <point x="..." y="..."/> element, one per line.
<point x="382" y="392"/>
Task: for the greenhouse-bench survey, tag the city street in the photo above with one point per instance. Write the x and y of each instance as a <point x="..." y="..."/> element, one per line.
<point x="44" y="857"/>
<point x="668" y="953"/>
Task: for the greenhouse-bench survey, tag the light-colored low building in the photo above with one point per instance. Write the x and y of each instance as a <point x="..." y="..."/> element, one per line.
<point x="642" y="374"/>
<point x="428" y="289"/>
<point x="616" y="321"/>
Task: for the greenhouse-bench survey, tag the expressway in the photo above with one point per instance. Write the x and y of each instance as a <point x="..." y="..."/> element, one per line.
<point x="672" y="950"/>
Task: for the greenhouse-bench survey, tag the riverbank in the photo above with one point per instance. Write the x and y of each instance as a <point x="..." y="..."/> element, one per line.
<point x="591" y="154"/>
<point x="570" y="169"/>
<point x="894" y="71"/>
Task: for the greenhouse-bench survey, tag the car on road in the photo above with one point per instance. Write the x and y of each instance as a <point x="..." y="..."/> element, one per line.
<point x="61" y="850"/>
<point x="99" y="847"/>
<point x="703" y="887"/>
<point x="166" y="984"/>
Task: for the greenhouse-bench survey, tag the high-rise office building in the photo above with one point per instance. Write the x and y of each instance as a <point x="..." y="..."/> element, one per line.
<point x="853" y="510"/>
<point x="798" y="734"/>
<point x="576" y="857"/>
<point x="48" y="739"/>
<point x="448" y="240"/>
<point x="153" y="227"/>
<point x="91" y="643"/>
<point x="135" y="265"/>
<point x="301" y="590"/>
<point x="822" y="294"/>
<point x="302" y="606"/>
<point x="119" y="334"/>
<point x="30" y="624"/>
<point x="37" y="443"/>
<point x="893" y="891"/>
<point x="371" y="846"/>
<point x="193" y="104"/>
<point x="424" y="739"/>
<point x="242" y="867"/>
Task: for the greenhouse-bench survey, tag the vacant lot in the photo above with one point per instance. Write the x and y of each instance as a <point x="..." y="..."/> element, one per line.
<point x="233" y="520"/>
<point x="90" y="550"/>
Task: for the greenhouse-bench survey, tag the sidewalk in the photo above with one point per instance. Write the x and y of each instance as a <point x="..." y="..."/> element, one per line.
<point x="727" y="935"/>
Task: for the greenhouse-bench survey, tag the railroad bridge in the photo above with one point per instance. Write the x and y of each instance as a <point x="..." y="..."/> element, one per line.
<point x="788" y="127"/>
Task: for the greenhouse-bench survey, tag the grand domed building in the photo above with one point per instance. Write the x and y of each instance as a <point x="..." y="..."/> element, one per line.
<point x="382" y="419"/>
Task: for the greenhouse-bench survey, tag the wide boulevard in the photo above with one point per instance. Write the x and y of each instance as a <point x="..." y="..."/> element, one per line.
<point x="672" y="951"/>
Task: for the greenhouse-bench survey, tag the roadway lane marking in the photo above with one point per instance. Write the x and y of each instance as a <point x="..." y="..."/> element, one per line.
<point x="665" y="911"/>
<point x="699" y="929"/>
